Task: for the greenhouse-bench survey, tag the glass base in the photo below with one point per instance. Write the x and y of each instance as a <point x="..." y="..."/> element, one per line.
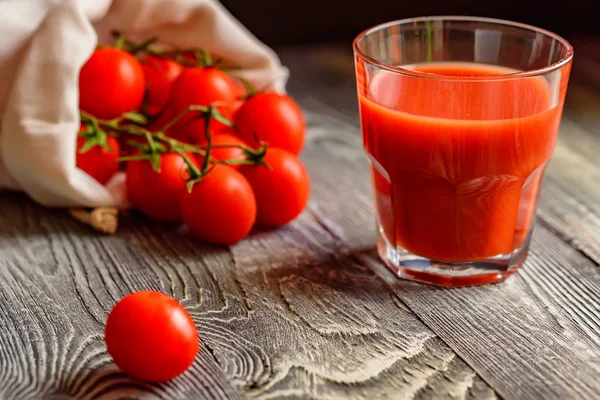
<point x="410" y="266"/>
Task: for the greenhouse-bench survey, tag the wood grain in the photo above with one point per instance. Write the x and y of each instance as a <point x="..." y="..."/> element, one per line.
<point x="284" y="314"/>
<point x="544" y="324"/>
<point x="338" y="331"/>
<point x="571" y="201"/>
<point x="58" y="282"/>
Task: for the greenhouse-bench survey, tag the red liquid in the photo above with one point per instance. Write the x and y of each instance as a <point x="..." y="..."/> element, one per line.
<point x="457" y="166"/>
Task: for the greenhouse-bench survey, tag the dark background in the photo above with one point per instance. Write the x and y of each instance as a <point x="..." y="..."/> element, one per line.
<point x="308" y="21"/>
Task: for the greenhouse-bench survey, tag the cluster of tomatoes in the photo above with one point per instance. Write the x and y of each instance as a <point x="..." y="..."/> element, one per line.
<point x="199" y="145"/>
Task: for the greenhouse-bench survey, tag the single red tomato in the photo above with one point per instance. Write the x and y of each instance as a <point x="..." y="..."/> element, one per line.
<point x="98" y="162"/>
<point x="282" y="191"/>
<point x="150" y="336"/>
<point x="160" y="74"/>
<point x="221" y="207"/>
<point x="223" y="153"/>
<point x="199" y="86"/>
<point x="157" y="194"/>
<point x="275" y="118"/>
<point x="111" y="83"/>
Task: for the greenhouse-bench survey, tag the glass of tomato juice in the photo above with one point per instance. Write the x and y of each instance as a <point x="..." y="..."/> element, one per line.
<point x="459" y="118"/>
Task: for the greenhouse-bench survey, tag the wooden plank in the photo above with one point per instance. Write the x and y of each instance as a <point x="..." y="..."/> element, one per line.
<point x="536" y="335"/>
<point x="571" y="218"/>
<point x="567" y="344"/>
<point x="570" y="202"/>
<point x="57" y="283"/>
<point x="287" y="316"/>
<point x="571" y="197"/>
<point x="331" y="328"/>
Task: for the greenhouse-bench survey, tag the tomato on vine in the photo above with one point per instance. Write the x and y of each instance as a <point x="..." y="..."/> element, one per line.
<point x="97" y="154"/>
<point x="272" y="118"/>
<point x="196" y="86"/>
<point x="202" y="86"/>
<point x="111" y="83"/>
<point x="155" y="193"/>
<point x="221" y="207"/>
<point x="281" y="190"/>
<point x="160" y="74"/>
<point x="223" y="202"/>
<point x="150" y="336"/>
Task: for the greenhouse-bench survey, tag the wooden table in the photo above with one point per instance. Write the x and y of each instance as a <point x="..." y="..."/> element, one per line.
<point x="308" y="311"/>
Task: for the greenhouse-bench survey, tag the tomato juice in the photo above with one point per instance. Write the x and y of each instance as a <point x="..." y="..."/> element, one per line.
<point x="457" y="159"/>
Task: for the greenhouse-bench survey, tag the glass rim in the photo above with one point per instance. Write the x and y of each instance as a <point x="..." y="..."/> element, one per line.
<point x="434" y="76"/>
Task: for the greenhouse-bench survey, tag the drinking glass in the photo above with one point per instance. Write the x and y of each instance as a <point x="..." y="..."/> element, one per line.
<point x="459" y="118"/>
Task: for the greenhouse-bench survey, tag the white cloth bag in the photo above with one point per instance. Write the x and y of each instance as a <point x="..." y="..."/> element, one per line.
<point x="44" y="45"/>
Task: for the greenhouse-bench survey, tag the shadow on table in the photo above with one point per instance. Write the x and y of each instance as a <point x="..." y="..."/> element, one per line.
<point x="22" y="217"/>
<point x="266" y="255"/>
<point x="106" y="381"/>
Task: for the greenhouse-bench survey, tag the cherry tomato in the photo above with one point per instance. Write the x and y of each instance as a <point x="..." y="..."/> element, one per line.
<point x="282" y="191"/>
<point x="157" y="194"/>
<point x="224" y="153"/>
<point x="111" y="83"/>
<point x="201" y="86"/>
<point x="221" y="207"/>
<point x="99" y="162"/>
<point x="151" y="337"/>
<point x="275" y="118"/>
<point x="160" y="74"/>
